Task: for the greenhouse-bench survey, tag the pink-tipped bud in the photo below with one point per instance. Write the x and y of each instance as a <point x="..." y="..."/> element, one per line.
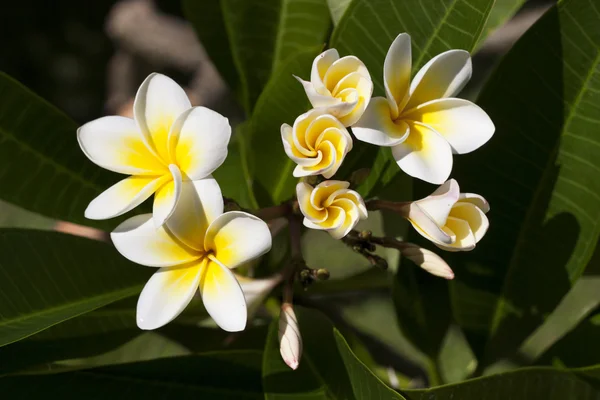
<point x="290" y="341"/>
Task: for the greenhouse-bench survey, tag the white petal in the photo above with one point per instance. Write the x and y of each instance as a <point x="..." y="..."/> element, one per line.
<point x="465" y="240"/>
<point x="317" y="99"/>
<point x="336" y="217"/>
<point x="290" y="340"/>
<point x="356" y="199"/>
<point x="322" y="192"/>
<point x="167" y="196"/>
<point x="198" y="141"/>
<point x="320" y="66"/>
<point x="166" y="295"/>
<point x="223" y="297"/>
<point x="123" y="196"/>
<point x="158" y="103"/>
<point x="376" y="125"/>
<point x="139" y="241"/>
<point x="352" y="216"/>
<point x="427" y="227"/>
<point x="327" y="165"/>
<point x="396" y="73"/>
<point x="477" y="220"/>
<point x="237" y="237"/>
<point x="476" y="199"/>
<point x="115" y="143"/>
<point x="463" y="124"/>
<point x="443" y="76"/>
<point x="425" y="154"/>
<point x="439" y="203"/>
<point x="200" y="203"/>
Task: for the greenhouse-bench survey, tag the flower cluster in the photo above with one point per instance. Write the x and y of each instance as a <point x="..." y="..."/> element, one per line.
<point x="170" y="150"/>
<point x="422" y="122"/>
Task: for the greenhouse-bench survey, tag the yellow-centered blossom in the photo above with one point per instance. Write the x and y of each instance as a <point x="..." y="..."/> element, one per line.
<point x="330" y="206"/>
<point x="317" y="143"/>
<point x="342" y="86"/>
<point x="194" y="250"/>
<point x="421" y="120"/>
<point x="167" y="143"/>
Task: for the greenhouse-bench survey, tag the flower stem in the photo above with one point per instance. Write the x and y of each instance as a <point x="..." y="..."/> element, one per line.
<point x="282" y="210"/>
<point x="375" y="204"/>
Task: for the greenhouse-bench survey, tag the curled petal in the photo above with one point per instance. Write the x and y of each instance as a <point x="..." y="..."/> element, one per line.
<point x="476" y="199"/>
<point x="303" y="193"/>
<point x="124" y="196"/>
<point x="396" y="73"/>
<point x="158" y="103"/>
<point x="320" y="66"/>
<point x="439" y="203"/>
<point x="443" y="76"/>
<point x="356" y="199"/>
<point x="377" y="126"/>
<point x="425" y="154"/>
<point x="115" y="143"/>
<point x="427" y="260"/>
<point x="321" y="194"/>
<point x="290" y="340"/>
<point x="341" y="68"/>
<point x="463" y="124"/>
<point x="237" y="237"/>
<point x="477" y="220"/>
<point x="290" y="149"/>
<point x="139" y="241"/>
<point x="351" y="215"/>
<point x="427" y="227"/>
<point x="166" y="295"/>
<point x="327" y="165"/>
<point x="464" y="238"/>
<point x="167" y="196"/>
<point x="317" y="99"/>
<point x="198" y="141"/>
<point x="223" y="297"/>
<point x="200" y="203"/>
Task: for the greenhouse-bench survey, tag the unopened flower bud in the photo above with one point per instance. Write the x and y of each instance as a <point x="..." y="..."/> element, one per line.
<point x="290" y="340"/>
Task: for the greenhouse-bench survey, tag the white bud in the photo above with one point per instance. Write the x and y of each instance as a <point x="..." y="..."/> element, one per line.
<point x="427" y="260"/>
<point x="290" y="341"/>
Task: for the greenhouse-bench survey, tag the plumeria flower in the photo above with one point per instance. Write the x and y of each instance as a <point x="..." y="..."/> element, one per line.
<point x="421" y="120"/>
<point x="194" y="250"/>
<point x="452" y="220"/>
<point x="167" y="142"/>
<point x="342" y="86"/>
<point x="330" y="206"/>
<point x="318" y="143"/>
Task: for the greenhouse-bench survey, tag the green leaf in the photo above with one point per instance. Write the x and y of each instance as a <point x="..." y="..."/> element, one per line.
<point x="234" y="176"/>
<point x="218" y="375"/>
<point x="262" y="35"/>
<point x="523" y="384"/>
<point x="337" y="9"/>
<point x="539" y="173"/>
<point x="367" y="30"/>
<point x="328" y="368"/>
<point x="42" y="168"/>
<point x="282" y="100"/>
<point x="50" y="277"/>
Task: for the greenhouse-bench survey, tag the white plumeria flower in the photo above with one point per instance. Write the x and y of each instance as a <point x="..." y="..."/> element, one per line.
<point x="452" y="220"/>
<point x="318" y="143"/>
<point x="194" y="250"/>
<point x="167" y="142"/>
<point x="331" y="206"/>
<point x="342" y="86"/>
<point x="290" y="340"/>
<point x="421" y="120"/>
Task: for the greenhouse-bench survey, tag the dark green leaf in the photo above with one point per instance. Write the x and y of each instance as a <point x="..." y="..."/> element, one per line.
<point x="337" y="9"/>
<point x="540" y="175"/>
<point x="523" y="384"/>
<point x="50" y="277"/>
<point x="262" y="35"/>
<point x="328" y="369"/>
<point x="215" y="375"/>
<point x="282" y="100"/>
<point x="42" y="168"/>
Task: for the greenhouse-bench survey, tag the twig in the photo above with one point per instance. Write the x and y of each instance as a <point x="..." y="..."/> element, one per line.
<point x="274" y="212"/>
